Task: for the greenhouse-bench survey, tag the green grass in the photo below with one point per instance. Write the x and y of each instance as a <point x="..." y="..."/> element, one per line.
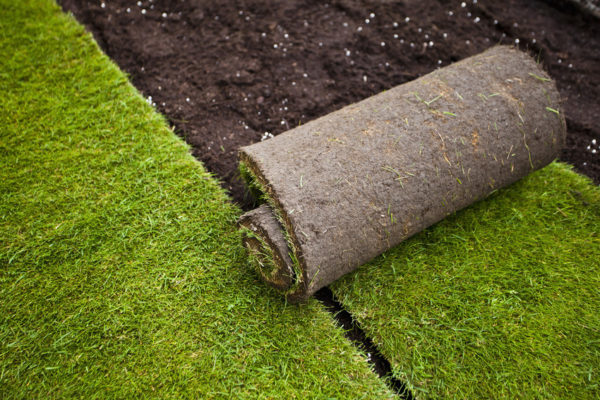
<point x="501" y="300"/>
<point x="122" y="273"/>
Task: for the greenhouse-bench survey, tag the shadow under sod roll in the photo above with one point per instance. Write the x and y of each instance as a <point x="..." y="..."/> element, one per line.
<point x="342" y="189"/>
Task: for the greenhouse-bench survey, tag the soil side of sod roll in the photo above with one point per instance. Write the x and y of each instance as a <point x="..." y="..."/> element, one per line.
<point x="348" y="186"/>
<point x="224" y="73"/>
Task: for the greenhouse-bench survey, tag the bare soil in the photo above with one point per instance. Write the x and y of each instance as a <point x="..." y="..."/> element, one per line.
<point x="230" y="73"/>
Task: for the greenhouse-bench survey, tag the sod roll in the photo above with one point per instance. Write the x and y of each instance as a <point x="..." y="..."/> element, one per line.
<point x="590" y="6"/>
<point x="342" y="189"/>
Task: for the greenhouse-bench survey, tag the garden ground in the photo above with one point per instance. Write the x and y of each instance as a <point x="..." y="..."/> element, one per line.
<point x="230" y="73"/>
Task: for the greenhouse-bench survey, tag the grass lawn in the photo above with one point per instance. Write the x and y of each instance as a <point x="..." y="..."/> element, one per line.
<point x="122" y="273"/>
<point x="501" y="300"/>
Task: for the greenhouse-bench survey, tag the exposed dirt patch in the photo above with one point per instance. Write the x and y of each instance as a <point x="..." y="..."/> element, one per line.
<point x="354" y="332"/>
<point x="224" y="73"/>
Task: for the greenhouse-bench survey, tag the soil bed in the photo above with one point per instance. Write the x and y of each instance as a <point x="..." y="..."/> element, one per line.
<point x="228" y="75"/>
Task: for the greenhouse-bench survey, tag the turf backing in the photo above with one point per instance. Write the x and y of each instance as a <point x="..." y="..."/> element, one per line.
<point x="122" y="273"/>
<point x="500" y="300"/>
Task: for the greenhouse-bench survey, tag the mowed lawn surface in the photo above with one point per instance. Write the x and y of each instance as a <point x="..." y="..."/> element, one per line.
<point x="122" y="273"/>
<point x="501" y="300"/>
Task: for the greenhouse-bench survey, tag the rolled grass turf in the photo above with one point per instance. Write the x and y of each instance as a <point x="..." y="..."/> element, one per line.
<point x="122" y="273"/>
<point x="344" y="188"/>
<point x="498" y="301"/>
<point x="590" y="6"/>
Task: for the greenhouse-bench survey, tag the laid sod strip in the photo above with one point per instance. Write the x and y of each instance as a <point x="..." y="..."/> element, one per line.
<point x="500" y="300"/>
<point x="122" y="273"/>
<point x="346" y="187"/>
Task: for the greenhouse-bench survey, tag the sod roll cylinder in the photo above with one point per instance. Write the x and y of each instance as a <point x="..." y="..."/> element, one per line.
<point x="344" y="188"/>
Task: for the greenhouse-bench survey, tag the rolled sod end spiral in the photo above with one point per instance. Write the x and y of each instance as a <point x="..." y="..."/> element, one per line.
<point x="267" y="247"/>
<point x="342" y="189"/>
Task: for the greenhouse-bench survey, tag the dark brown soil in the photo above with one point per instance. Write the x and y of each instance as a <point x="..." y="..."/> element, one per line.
<point x="224" y="73"/>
